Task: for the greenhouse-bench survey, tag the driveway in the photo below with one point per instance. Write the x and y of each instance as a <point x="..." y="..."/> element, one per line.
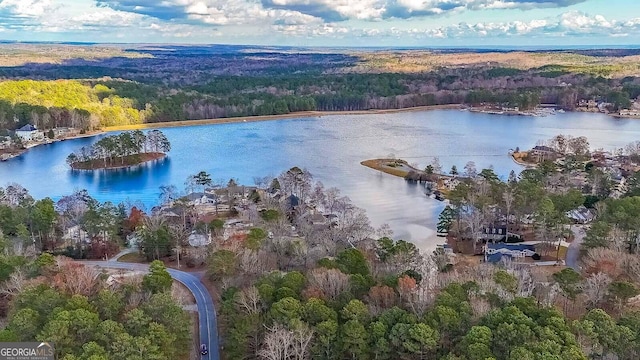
<point x="574" y="249"/>
<point x="206" y="312"/>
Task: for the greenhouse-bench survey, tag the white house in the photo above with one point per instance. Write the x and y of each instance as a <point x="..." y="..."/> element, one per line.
<point x="28" y="133"/>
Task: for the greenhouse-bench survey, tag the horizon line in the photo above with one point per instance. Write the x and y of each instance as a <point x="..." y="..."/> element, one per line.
<point x="485" y="47"/>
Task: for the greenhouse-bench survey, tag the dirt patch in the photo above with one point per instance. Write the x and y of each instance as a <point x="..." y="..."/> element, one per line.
<point x="390" y="166"/>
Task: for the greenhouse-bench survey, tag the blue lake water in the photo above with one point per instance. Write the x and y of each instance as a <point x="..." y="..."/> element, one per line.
<point x="331" y="148"/>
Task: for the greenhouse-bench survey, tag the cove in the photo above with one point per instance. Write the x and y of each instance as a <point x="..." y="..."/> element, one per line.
<point x="331" y="148"/>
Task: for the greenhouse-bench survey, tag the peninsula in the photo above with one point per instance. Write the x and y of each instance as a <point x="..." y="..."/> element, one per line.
<point x="437" y="185"/>
<point x="123" y="150"/>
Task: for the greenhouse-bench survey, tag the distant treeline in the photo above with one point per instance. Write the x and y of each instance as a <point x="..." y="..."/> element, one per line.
<point x="89" y="104"/>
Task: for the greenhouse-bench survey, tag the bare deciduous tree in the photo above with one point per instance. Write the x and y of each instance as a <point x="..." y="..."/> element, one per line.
<point x="249" y="301"/>
<point x="281" y="343"/>
<point x="606" y="261"/>
<point x="384" y="231"/>
<point x="255" y="262"/>
<point x="15" y="283"/>
<point x="479" y="305"/>
<point x="546" y="293"/>
<point x="596" y="288"/>
<point x="75" y="278"/>
<point x="332" y="282"/>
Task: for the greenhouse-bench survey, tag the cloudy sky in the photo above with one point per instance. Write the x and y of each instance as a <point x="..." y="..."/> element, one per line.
<point x="326" y="22"/>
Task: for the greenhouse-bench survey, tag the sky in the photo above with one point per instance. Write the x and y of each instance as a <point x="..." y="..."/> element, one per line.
<point x="405" y="23"/>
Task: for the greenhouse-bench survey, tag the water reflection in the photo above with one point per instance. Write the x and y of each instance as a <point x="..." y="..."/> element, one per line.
<point x="331" y="147"/>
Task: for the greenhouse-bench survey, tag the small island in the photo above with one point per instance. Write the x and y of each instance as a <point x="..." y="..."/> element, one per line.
<point x="123" y="150"/>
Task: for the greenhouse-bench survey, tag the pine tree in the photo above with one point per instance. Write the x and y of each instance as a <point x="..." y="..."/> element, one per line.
<point x="445" y="220"/>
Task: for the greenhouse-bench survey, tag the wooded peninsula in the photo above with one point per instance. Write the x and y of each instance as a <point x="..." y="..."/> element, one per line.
<point x="126" y="149"/>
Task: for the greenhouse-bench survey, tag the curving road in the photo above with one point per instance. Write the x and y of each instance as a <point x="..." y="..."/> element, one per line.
<point x="206" y="311"/>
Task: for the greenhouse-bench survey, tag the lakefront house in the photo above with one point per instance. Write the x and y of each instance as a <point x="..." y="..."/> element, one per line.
<point x="29" y="133"/>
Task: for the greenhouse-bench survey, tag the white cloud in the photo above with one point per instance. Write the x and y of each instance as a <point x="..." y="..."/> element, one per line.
<point x="212" y="20"/>
<point x="27" y="8"/>
<point x="379" y="9"/>
<point x="232" y="11"/>
<point x="569" y="23"/>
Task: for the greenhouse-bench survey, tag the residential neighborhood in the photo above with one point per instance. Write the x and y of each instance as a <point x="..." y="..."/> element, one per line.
<point x="15" y="143"/>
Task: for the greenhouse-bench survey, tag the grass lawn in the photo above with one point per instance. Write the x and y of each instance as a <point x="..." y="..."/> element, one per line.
<point x="563" y="252"/>
<point x="132" y="258"/>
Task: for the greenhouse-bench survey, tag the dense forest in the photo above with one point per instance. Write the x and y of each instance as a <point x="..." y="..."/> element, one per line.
<point x="72" y="305"/>
<point x="45" y="296"/>
<point x="383" y="299"/>
<point x="192" y="84"/>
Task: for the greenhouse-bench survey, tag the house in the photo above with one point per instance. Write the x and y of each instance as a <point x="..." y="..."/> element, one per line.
<point x="318" y="219"/>
<point x="590" y="104"/>
<point x="198" y="198"/>
<point x="581" y="215"/>
<point x="499" y="233"/>
<point x="451" y="183"/>
<point x="28" y="133"/>
<point x="544" y="153"/>
<point x="627" y="112"/>
<point x="495" y="233"/>
<point x="493" y="253"/>
<point x="604" y="106"/>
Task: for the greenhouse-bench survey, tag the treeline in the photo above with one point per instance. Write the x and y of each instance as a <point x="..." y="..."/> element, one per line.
<point x="524" y="101"/>
<point x="128" y="145"/>
<point x="65" y="103"/>
<point x="89" y="104"/>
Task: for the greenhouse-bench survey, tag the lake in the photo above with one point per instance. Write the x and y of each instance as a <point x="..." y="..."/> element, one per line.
<point x="331" y="148"/>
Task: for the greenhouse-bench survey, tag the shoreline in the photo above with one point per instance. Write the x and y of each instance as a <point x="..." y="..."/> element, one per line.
<point x="5" y="156"/>
<point x="257" y="118"/>
<point x="144" y="158"/>
<point x="295" y="115"/>
<point x="404" y="170"/>
<point x="521" y="163"/>
<point x="377" y="164"/>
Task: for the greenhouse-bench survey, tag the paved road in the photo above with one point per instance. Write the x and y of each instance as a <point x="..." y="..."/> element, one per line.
<point x="206" y="312"/>
<point x="573" y="251"/>
<point x="117" y="256"/>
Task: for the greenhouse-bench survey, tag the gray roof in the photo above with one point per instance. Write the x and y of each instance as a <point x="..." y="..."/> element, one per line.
<point x="543" y="148"/>
<point x="581" y="214"/>
<point x="27" y="127"/>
